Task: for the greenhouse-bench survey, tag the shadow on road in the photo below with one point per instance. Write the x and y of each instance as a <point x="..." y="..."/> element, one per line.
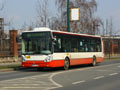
<point x="31" y="69"/>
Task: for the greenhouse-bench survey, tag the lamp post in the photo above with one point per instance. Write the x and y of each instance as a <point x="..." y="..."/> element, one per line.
<point x="68" y="15"/>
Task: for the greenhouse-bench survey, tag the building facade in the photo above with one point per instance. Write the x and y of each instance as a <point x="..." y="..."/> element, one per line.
<point x="111" y="45"/>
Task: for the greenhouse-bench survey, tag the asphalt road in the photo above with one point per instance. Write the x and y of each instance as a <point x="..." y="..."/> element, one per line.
<point x="105" y="76"/>
<point x="34" y="71"/>
<point x="106" y="83"/>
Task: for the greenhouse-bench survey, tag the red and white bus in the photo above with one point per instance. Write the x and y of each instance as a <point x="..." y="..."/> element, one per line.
<point x="43" y="47"/>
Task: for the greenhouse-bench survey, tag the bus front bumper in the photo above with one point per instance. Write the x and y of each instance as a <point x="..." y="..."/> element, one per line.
<point x="55" y="63"/>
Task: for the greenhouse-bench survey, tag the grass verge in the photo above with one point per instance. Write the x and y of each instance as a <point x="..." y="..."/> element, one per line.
<point x="9" y="67"/>
<point x="112" y="58"/>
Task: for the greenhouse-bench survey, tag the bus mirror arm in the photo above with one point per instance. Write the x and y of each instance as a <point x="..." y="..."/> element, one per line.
<point x="54" y="40"/>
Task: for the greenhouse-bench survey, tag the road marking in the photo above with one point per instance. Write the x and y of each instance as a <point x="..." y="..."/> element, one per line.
<point x="20" y="84"/>
<point x="41" y="82"/>
<point x="99" y="77"/>
<point x="119" y="66"/>
<point x="113" y="74"/>
<point x="102" y="70"/>
<point x="79" y="82"/>
<point x="88" y="68"/>
<point x="51" y="79"/>
<point x="21" y="87"/>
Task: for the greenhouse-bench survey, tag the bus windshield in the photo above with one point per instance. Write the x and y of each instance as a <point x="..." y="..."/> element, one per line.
<point x="36" y="43"/>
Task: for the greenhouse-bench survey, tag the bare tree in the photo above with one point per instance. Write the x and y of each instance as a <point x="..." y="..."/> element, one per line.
<point x="43" y="14"/>
<point x="88" y="22"/>
<point x="109" y="28"/>
<point x="1" y="5"/>
<point x="61" y="19"/>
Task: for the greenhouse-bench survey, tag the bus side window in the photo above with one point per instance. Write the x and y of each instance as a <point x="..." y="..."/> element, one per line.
<point x="67" y="45"/>
<point x="98" y="47"/>
<point x="92" y="46"/>
<point x="74" y="45"/>
<point x="86" y="48"/>
<point x="81" y="47"/>
<point x="57" y="45"/>
<point x="81" y="43"/>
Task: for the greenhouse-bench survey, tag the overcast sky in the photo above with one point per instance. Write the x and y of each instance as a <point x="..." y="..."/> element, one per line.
<point x="109" y="9"/>
<point x="21" y="11"/>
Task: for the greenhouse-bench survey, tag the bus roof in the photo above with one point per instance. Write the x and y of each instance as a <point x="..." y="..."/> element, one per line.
<point x="38" y="30"/>
<point x="75" y="34"/>
<point x="61" y="32"/>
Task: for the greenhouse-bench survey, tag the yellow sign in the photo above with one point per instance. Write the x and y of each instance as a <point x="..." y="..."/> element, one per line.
<point x="28" y="57"/>
<point x="67" y="54"/>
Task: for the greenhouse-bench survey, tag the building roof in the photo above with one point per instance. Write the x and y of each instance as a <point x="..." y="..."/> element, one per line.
<point x="111" y="37"/>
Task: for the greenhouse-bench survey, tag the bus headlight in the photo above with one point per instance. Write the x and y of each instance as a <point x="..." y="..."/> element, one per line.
<point x="23" y="59"/>
<point x="48" y="59"/>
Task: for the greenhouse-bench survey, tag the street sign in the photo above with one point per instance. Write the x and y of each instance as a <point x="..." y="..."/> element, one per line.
<point x="75" y="14"/>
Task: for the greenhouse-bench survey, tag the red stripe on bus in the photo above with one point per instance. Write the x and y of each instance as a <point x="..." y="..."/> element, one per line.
<point x="59" y="63"/>
<point x="85" y="61"/>
<point x="81" y="61"/>
<point x="54" y="63"/>
<point x="99" y="59"/>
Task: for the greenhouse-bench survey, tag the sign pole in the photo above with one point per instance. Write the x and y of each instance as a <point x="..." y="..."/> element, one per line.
<point x="68" y="15"/>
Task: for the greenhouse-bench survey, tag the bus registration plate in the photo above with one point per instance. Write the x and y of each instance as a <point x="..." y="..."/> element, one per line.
<point x="35" y="65"/>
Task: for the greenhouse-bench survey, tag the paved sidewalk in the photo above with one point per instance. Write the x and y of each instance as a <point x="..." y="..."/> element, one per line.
<point x="7" y="64"/>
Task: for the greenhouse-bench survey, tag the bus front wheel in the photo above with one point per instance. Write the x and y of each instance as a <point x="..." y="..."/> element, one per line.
<point x="66" y="64"/>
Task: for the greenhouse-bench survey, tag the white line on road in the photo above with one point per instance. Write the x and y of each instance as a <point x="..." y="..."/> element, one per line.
<point x="19" y="84"/>
<point x="102" y="70"/>
<point x="99" y="77"/>
<point x="113" y="74"/>
<point x="88" y="68"/>
<point x="119" y="66"/>
<point x="79" y="82"/>
<point x="22" y="87"/>
<point x="51" y="79"/>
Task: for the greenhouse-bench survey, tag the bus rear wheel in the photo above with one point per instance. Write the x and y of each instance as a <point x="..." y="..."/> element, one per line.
<point x="66" y="64"/>
<point x="94" y="61"/>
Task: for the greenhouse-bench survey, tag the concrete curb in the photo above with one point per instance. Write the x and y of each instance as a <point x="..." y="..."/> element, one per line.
<point x="6" y="70"/>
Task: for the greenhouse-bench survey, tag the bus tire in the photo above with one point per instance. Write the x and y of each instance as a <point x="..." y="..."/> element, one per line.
<point x="66" y="64"/>
<point x="94" y="61"/>
<point x="40" y="69"/>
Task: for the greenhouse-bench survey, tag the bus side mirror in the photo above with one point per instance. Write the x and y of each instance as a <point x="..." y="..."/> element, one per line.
<point x="54" y="39"/>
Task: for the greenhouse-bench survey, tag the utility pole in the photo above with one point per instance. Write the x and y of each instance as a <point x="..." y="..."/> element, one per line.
<point x="68" y="15"/>
<point x="1" y="33"/>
